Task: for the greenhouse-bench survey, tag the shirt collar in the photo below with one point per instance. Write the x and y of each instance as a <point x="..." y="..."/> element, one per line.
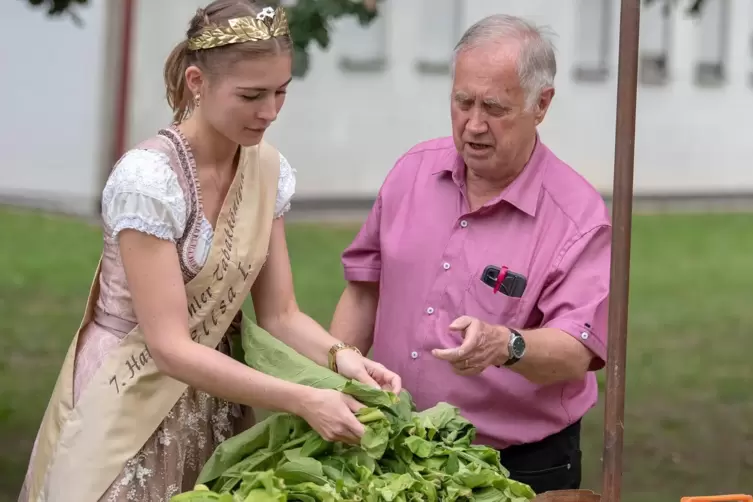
<point x="522" y="193"/>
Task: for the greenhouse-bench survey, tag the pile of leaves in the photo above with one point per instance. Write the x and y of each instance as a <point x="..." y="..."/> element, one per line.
<point x="404" y="456"/>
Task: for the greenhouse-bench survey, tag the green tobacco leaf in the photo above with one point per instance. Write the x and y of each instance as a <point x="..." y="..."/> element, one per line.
<point x="260" y="441"/>
<point x="198" y="496"/>
<point x="376" y="439"/>
<point x="368" y="415"/>
<point x="315" y="446"/>
<point x="302" y="470"/>
<point x="453" y="464"/>
<point x="258" y="483"/>
<point x="369" y="395"/>
<point x="310" y="492"/>
<point x="267" y="354"/>
<point x="394" y="485"/>
<point x="440" y="417"/>
<point x="419" y="446"/>
<point x="475" y="477"/>
<point x="520" y="490"/>
<point x="404" y="407"/>
<point x="404" y="456"/>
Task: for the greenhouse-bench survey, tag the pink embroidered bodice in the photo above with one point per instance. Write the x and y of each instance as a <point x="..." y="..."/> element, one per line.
<point x="153" y="188"/>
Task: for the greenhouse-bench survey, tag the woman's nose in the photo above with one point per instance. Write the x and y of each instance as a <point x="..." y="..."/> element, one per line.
<point x="268" y="110"/>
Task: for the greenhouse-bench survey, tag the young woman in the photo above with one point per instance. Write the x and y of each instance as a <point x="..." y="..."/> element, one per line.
<point x="193" y="221"/>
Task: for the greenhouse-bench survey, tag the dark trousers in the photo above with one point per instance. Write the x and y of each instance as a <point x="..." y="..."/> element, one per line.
<point x="554" y="463"/>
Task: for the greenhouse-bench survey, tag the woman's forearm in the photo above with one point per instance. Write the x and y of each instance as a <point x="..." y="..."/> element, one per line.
<point x="222" y="376"/>
<point x="303" y="334"/>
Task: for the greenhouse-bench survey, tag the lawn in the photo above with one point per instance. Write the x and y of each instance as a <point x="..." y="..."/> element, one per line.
<point x="689" y="417"/>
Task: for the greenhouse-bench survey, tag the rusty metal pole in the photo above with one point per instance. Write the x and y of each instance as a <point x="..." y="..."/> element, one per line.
<point x="128" y="15"/>
<point x="622" y="209"/>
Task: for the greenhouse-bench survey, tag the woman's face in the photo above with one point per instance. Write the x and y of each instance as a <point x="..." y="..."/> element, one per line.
<point x="244" y="102"/>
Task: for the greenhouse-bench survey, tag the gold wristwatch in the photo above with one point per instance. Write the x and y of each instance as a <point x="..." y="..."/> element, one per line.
<point x="332" y="360"/>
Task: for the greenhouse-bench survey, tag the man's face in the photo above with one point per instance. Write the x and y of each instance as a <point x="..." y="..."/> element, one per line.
<point x="493" y="129"/>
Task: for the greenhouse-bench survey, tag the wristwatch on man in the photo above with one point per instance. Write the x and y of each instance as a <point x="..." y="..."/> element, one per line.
<point x="516" y="347"/>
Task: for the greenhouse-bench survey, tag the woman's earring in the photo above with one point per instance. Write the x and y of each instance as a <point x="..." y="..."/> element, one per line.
<point x="197" y="100"/>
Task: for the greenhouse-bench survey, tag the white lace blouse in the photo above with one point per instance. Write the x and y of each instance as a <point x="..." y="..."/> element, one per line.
<point x="143" y="193"/>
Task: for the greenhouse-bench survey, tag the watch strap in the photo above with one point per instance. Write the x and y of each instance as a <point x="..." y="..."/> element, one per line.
<point x="512" y="358"/>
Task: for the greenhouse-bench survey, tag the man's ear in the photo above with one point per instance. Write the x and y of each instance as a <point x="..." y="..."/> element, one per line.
<point x="542" y="106"/>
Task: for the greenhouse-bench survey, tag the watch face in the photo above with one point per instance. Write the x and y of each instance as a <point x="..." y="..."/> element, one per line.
<point x="518" y="346"/>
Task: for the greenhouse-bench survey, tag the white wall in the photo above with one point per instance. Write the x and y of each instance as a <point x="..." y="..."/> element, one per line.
<point x="344" y="130"/>
<point x="52" y="91"/>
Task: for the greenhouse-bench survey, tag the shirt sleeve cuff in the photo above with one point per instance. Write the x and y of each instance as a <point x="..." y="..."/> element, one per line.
<point x="361" y="274"/>
<point x="585" y="336"/>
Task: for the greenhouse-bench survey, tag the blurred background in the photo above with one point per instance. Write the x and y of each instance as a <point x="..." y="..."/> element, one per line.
<point x="76" y="91"/>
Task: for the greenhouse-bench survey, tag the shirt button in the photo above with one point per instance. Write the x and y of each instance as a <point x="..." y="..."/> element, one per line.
<point x="584" y="335"/>
<point x="430" y="310"/>
<point x="414" y="355"/>
<point x="446" y="266"/>
<point x="463" y="223"/>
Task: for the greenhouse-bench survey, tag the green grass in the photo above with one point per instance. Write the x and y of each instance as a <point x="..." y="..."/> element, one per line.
<point x="689" y="417"/>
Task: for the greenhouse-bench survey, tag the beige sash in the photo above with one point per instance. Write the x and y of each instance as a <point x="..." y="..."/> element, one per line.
<point x="83" y="448"/>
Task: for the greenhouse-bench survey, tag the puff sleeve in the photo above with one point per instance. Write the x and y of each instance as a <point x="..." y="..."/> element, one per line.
<point x="143" y="193"/>
<point x="285" y="187"/>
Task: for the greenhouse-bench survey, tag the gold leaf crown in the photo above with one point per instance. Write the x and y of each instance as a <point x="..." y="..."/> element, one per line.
<point x="269" y="23"/>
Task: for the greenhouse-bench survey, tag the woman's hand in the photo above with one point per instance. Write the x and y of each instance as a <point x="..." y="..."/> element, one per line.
<point x="351" y="364"/>
<point x="331" y="414"/>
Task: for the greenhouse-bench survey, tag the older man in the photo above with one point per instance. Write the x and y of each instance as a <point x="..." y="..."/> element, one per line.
<point x="482" y="273"/>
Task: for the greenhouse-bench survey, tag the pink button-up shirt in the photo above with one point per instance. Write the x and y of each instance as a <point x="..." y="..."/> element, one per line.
<point x="427" y="250"/>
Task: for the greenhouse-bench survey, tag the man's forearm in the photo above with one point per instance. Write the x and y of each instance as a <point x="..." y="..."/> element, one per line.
<point x="355" y="315"/>
<point x="551" y="356"/>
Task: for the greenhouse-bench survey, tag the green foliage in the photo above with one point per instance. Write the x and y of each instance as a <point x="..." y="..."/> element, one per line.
<point x="57" y="7"/>
<point x="404" y="456"/>
<point x="310" y="22"/>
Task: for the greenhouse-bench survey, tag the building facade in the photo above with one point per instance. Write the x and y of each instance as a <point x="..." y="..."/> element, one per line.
<point x="377" y="91"/>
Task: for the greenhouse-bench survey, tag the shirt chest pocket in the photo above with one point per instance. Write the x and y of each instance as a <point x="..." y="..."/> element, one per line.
<point x="480" y="301"/>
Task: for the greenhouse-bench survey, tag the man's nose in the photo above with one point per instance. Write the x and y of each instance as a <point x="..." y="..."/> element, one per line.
<point x="476" y="123"/>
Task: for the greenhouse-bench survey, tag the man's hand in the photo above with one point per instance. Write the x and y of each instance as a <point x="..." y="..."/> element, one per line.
<point x="483" y="345"/>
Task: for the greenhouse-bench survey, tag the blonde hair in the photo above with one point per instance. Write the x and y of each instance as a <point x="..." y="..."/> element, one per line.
<point x="217" y="60"/>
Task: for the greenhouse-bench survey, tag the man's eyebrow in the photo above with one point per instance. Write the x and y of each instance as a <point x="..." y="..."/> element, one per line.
<point x="262" y="89"/>
<point x="490" y="102"/>
<point x="493" y="102"/>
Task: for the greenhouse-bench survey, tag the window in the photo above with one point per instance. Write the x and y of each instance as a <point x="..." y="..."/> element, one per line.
<point x="593" y="35"/>
<point x="712" y="43"/>
<point x="655" y="38"/>
<point x="438" y="35"/>
<point x="363" y="48"/>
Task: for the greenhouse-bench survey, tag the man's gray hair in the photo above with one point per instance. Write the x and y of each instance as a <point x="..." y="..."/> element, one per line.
<point x="537" y="64"/>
